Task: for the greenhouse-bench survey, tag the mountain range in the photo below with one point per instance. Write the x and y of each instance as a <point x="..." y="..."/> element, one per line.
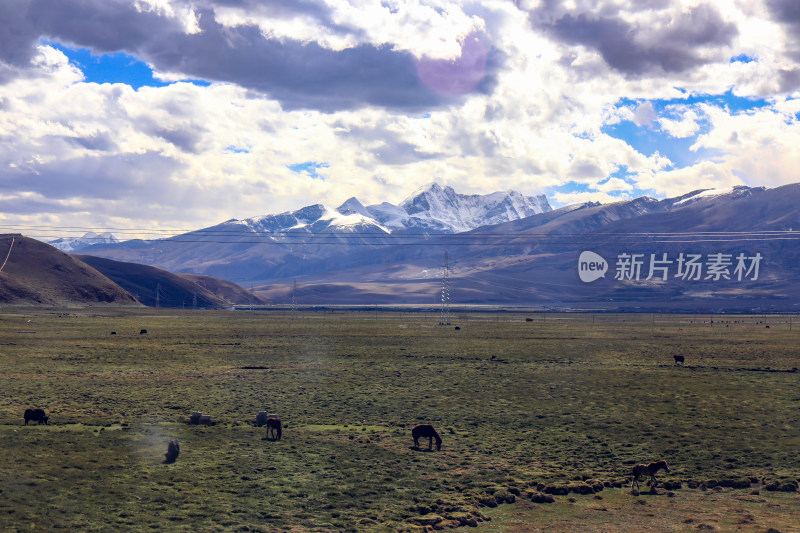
<point x="732" y="249"/>
<point x="35" y="273"/>
<point x="74" y="244"/>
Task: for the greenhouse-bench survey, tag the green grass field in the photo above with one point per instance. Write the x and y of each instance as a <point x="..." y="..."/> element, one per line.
<point x="563" y="402"/>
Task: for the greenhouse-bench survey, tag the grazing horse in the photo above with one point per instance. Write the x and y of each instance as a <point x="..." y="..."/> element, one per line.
<point x="274" y="428"/>
<point x="426" y="430"/>
<point x="648" y="470"/>
<point x="678" y="359"/>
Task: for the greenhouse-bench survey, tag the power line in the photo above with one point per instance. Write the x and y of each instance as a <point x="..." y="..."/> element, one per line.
<point x="174" y="233"/>
<point x="285" y="238"/>
<point x="497" y="240"/>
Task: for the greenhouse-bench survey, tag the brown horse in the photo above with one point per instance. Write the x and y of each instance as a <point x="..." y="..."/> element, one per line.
<point x="648" y="470"/>
<point x="274" y="428"/>
<point x="426" y="430"/>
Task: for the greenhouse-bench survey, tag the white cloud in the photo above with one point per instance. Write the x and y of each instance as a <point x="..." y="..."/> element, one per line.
<point x="686" y="126"/>
<point x="106" y="155"/>
<point x="704" y="175"/>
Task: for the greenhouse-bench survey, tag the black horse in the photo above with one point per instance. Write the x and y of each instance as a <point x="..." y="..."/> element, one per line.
<point x="426" y="430"/>
<point x="274" y="428"/>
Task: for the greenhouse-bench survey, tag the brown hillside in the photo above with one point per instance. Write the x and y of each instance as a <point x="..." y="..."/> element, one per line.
<point x="228" y="290"/>
<point x="143" y="281"/>
<point x="35" y="273"/>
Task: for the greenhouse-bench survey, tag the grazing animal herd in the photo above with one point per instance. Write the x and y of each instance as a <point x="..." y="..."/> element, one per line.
<point x="420" y="431"/>
<point x="275" y="431"/>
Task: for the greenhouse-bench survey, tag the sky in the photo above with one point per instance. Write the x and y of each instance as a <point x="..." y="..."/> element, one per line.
<point x="178" y="115"/>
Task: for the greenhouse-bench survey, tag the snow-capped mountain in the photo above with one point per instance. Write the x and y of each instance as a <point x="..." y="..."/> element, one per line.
<point x="705" y="194"/>
<point x="73" y="244"/>
<point x="386" y="253"/>
<point x="429" y="209"/>
<point x="443" y="210"/>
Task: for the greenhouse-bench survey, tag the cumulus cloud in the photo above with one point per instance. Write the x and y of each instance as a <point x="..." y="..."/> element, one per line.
<point x="647" y="38"/>
<point x="686" y="125"/>
<point x="386" y="97"/>
<point x="227" y="41"/>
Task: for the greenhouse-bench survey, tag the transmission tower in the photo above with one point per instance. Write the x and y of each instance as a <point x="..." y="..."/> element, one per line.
<point x="444" y="319"/>
<point x="294" y="298"/>
<point x="158" y="295"/>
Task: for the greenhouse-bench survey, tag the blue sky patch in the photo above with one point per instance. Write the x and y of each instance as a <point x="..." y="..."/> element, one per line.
<point x="743" y="58"/>
<point x="114" y="67"/>
<point x="622" y="173"/>
<point x="651" y="138"/>
<point x="648" y="141"/>
<point x="236" y="150"/>
<point x="309" y="168"/>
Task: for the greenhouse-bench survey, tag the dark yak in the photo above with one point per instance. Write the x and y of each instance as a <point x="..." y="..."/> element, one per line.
<point x="37" y="415"/>
<point x="173" y="449"/>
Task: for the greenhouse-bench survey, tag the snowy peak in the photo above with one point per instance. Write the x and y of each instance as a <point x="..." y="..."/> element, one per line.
<point x="430" y="209"/>
<point x="736" y="191"/>
<point x="353" y="207"/>
<point x="73" y="244"/>
<point x="350" y="217"/>
<point x="443" y="209"/>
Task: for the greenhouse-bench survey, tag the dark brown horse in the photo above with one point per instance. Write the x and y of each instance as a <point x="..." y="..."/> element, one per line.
<point x="274" y="428"/>
<point x="426" y="430"/>
<point x="648" y="470"/>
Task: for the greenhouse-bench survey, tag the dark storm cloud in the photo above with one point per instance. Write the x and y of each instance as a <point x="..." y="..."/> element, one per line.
<point x="785" y="10"/>
<point x="633" y="50"/>
<point x="297" y="74"/>
<point x="16" y="39"/>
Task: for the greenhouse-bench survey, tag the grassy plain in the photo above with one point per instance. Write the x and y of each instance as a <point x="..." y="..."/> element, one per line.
<point x="562" y="401"/>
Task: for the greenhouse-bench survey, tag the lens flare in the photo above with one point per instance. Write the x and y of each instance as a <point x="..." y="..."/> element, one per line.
<point x="457" y="76"/>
